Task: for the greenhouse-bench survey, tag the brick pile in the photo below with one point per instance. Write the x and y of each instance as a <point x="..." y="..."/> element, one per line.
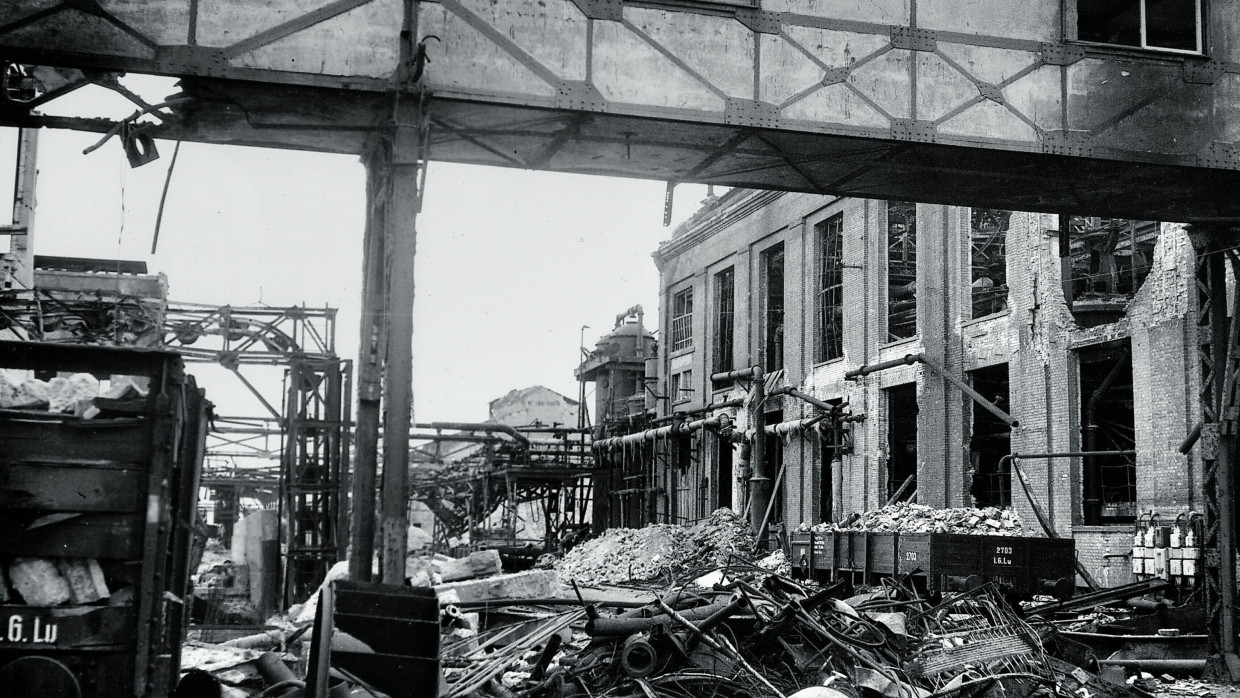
<point x="636" y="554"/>
<point x="918" y="518"/>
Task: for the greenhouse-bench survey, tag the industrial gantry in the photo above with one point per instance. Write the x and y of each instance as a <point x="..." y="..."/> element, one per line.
<point x="1035" y="105"/>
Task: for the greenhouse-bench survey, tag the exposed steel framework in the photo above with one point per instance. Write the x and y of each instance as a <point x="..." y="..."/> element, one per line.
<point x="307" y="428"/>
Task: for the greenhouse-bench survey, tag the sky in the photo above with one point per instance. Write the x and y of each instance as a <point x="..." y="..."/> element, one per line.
<point x="510" y="263"/>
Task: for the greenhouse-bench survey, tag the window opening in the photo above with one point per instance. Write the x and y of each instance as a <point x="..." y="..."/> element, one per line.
<point x="831" y="449"/>
<point x="681" y="387"/>
<point x="991" y="440"/>
<point x="902" y="439"/>
<point x="682" y="320"/>
<point x="1107" y="424"/>
<point x="1111" y="257"/>
<point x="773" y="276"/>
<point x="901" y="270"/>
<point x="723" y="473"/>
<point x="830" y="234"/>
<point x="1163" y="25"/>
<point x="774" y="455"/>
<point x="725" y="305"/>
<point x="988" y="239"/>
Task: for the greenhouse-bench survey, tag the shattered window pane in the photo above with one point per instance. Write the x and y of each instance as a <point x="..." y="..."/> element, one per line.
<point x="830" y="235"/>
<point x="988" y="238"/>
<point x="901" y="270"/>
<point x="1110" y="259"/>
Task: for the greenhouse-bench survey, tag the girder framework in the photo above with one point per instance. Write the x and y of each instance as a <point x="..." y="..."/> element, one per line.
<point x="492" y="492"/>
<point x="1219" y="351"/>
<point x="307" y="428"/>
<point x="948" y="101"/>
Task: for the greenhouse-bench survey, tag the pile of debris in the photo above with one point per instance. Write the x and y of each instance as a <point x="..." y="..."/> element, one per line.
<point x="762" y="634"/>
<point x="624" y="555"/>
<point x="918" y="518"/>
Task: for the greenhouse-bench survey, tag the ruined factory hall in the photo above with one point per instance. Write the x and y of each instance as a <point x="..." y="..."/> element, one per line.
<point x="619" y="348"/>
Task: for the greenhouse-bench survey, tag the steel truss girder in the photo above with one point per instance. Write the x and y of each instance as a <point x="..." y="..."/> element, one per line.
<point x="861" y="100"/>
<point x="1219" y="352"/>
<point x="314" y="471"/>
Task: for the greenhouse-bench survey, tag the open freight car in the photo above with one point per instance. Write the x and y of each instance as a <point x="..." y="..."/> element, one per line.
<point x="1020" y="566"/>
<point x="100" y="454"/>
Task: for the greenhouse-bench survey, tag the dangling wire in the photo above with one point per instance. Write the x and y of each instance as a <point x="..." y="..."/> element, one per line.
<point x="163" y="197"/>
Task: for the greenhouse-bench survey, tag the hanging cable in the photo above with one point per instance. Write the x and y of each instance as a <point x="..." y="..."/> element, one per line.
<point x="163" y="197"/>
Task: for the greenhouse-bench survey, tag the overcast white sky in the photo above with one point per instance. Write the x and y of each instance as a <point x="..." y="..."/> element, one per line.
<point x="510" y="263"/>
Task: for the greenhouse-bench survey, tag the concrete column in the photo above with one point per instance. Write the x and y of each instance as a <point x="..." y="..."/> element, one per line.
<point x="402" y="197"/>
<point x="17" y="267"/>
<point x="371" y="352"/>
<point x="934" y="392"/>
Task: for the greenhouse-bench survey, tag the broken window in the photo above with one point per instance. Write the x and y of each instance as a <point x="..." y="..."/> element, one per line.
<point x="830" y="234"/>
<point x="773" y="325"/>
<point x="991" y="440"/>
<point x="1164" y="25"/>
<point x="988" y="238"/>
<point x="1107" y="424"/>
<point x="725" y="304"/>
<point x="901" y="270"/>
<point x="1110" y="259"/>
<point x="682" y="320"/>
<point x="902" y="441"/>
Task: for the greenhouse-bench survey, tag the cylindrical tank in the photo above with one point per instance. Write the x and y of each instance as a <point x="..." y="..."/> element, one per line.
<point x="619" y="387"/>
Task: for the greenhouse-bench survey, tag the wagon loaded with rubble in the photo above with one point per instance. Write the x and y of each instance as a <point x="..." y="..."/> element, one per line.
<point x="100" y="450"/>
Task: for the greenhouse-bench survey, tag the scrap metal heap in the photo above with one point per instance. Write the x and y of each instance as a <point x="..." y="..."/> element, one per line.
<point x="744" y="631"/>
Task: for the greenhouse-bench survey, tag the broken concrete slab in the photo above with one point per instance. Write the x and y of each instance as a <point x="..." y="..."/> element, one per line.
<point x="482" y="563"/>
<point x="39" y="582"/>
<point x="534" y="584"/>
<point x="85" y="585"/>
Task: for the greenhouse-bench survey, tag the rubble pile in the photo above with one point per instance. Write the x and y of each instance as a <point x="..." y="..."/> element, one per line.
<point x="763" y="634"/>
<point x="918" y="518"/>
<point x="635" y="554"/>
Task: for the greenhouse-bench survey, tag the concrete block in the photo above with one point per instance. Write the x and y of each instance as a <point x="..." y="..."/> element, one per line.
<point x="262" y="556"/>
<point x="78" y="575"/>
<point x="482" y="563"/>
<point x="534" y="584"/>
<point x="38" y="582"/>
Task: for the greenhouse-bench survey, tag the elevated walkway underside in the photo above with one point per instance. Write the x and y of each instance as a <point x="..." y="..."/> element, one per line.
<point x="946" y="101"/>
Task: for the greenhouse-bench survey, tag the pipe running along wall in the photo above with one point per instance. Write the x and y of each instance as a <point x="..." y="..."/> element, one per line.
<point x="910" y="359"/>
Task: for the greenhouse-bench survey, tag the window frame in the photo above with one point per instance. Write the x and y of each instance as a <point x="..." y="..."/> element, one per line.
<point x="681" y="382"/>
<point x="823" y="235"/>
<point x="766" y="261"/>
<point x="723" y="358"/>
<point x="1200" y="8"/>
<point x="681" y="320"/>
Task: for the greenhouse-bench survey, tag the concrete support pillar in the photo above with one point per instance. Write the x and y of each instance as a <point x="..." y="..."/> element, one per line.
<point x="372" y="349"/>
<point x="934" y="392"/>
<point x="402" y="201"/>
<point x="17" y="266"/>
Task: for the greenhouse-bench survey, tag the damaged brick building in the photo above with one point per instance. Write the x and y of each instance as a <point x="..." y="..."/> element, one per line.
<point x="1086" y="340"/>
